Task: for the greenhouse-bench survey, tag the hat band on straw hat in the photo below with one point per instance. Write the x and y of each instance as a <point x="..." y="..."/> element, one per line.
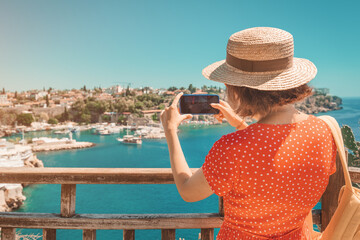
<point x="259" y="66"/>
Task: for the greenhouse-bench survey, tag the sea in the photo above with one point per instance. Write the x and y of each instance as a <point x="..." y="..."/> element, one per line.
<point x="196" y="141"/>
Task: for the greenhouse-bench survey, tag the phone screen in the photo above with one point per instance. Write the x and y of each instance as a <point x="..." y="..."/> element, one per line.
<point x="198" y="104"/>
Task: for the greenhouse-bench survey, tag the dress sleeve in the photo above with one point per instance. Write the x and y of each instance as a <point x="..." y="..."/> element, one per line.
<point x="333" y="157"/>
<point x="220" y="168"/>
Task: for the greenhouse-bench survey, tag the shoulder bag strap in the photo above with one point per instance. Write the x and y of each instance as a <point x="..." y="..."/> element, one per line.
<point x="335" y="129"/>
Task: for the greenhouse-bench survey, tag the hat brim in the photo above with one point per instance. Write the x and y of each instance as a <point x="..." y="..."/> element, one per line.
<point x="302" y="71"/>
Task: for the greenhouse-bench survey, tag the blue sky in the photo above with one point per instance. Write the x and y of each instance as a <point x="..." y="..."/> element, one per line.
<point x="70" y="43"/>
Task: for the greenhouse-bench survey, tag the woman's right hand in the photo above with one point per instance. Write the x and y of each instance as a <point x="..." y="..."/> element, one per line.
<point x="227" y="112"/>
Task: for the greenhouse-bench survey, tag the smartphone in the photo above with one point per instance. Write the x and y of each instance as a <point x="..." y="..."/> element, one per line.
<point x="198" y="104"/>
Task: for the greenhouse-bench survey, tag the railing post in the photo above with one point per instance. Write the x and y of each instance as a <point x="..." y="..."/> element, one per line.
<point x="329" y="199"/>
<point x="221" y="206"/>
<point x="207" y="234"/>
<point x="167" y="234"/>
<point x="89" y="234"/>
<point x="49" y="234"/>
<point x="128" y="234"/>
<point x="8" y="233"/>
<point x="68" y="196"/>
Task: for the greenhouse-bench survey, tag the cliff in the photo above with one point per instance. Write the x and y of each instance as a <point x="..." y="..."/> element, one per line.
<point x="319" y="103"/>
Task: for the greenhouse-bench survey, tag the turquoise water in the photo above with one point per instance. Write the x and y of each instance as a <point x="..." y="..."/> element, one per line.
<point x="108" y="153"/>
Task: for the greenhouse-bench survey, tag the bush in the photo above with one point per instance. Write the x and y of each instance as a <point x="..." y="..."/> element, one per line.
<point x="25" y="119"/>
<point x="53" y="121"/>
<point x="106" y="118"/>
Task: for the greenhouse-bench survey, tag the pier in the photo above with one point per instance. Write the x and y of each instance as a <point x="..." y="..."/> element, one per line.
<point x="129" y="223"/>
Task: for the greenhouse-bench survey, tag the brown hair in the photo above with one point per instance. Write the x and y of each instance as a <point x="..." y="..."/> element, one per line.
<point x="247" y="102"/>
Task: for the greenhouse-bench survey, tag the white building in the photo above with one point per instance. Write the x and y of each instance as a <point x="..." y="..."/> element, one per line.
<point x="114" y="89"/>
<point x="4" y="100"/>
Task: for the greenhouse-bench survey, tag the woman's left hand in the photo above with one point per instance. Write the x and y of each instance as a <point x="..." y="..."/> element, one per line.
<point x="171" y="117"/>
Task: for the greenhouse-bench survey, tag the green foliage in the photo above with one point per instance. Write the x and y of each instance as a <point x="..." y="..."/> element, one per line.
<point x="53" y="121"/>
<point x="47" y="100"/>
<point x="191" y="88"/>
<point x="120" y="106"/>
<point x="139" y="105"/>
<point x="65" y="116"/>
<point x="85" y="118"/>
<point x="122" y="120"/>
<point x="82" y="109"/>
<point x="204" y="88"/>
<point x="127" y="92"/>
<point x="349" y="138"/>
<point x="155" y="117"/>
<point x="172" y="88"/>
<point x="351" y="144"/>
<point x="106" y="118"/>
<point x="162" y="106"/>
<point x="7" y="117"/>
<point x="25" y="119"/>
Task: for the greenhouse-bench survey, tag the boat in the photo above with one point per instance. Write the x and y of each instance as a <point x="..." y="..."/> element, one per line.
<point x="130" y="139"/>
<point x="104" y="132"/>
<point x="74" y="129"/>
<point x="62" y="132"/>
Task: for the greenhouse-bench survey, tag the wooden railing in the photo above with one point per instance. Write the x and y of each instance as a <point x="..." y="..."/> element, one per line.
<point x="89" y="223"/>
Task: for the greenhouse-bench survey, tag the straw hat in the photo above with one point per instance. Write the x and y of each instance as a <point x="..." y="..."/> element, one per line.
<point x="261" y="58"/>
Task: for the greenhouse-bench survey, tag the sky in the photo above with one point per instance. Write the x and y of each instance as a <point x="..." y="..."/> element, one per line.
<point x="71" y="43"/>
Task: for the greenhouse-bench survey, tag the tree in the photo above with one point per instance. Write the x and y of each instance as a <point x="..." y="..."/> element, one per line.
<point x="127" y="93"/>
<point x="65" y="114"/>
<point x="25" y="119"/>
<point x="139" y="105"/>
<point x="122" y="120"/>
<point x="106" y="118"/>
<point x="155" y="117"/>
<point x="162" y="106"/>
<point x="16" y="94"/>
<point x="172" y="88"/>
<point x="3" y="92"/>
<point x="7" y="117"/>
<point x="85" y="118"/>
<point x="191" y="88"/>
<point x="84" y="88"/>
<point x="50" y="89"/>
<point x="47" y="100"/>
<point x="53" y="121"/>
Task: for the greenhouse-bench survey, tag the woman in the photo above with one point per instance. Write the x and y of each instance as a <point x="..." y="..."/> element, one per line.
<point x="270" y="173"/>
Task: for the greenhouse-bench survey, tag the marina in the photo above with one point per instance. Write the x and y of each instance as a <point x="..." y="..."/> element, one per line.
<point x="132" y="198"/>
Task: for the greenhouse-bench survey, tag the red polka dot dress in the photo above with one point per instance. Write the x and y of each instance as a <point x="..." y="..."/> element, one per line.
<point x="270" y="177"/>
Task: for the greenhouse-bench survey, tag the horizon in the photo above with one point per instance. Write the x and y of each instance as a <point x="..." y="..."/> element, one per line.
<point x="66" y="45"/>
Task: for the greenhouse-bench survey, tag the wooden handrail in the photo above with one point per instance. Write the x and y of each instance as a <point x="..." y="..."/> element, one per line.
<point x="87" y="175"/>
<point x="96" y="175"/>
<point x="111" y="221"/>
<point x="68" y="219"/>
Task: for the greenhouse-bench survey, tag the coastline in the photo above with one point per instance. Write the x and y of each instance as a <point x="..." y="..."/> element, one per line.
<point x="63" y="146"/>
<point x="11" y="195"/>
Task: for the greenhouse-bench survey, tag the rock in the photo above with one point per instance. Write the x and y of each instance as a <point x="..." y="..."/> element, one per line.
<point x="11" y="197"/>
<point x="3" y="206"/>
